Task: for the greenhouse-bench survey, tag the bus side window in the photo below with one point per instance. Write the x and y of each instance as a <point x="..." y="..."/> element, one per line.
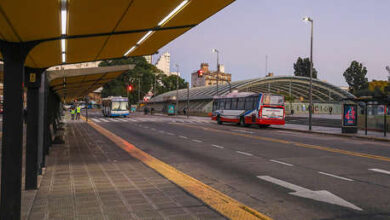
<point x="241" y="104"/>
<point x="222" y="104"/>
<point x="234" y="104"/>
<point x="248" y="103"/>
<point x="228" y="104"/>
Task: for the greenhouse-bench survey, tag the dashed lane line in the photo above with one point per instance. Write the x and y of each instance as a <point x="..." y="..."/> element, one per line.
<point x="380" y="171"/>
<point x="168" y="133"/>
<point x="244" y="153"/>
<point x="281" y="162"/>
<point x="217" y="146"/>
<point x="184" y="137"/>
<point x="197" y="141"/>
<point x="95" y="120"/>
<point x="335" y="176"/>
<point x="298" y="144"/>
<point x="104" y="120"/>
<point x="222" y="203"/>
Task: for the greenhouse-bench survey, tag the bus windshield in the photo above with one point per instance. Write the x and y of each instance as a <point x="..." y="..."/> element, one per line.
<point x="273" y="99"/>
<point x="119" y="106"/>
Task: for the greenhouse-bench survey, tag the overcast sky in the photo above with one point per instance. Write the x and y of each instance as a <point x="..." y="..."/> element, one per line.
<point x="248" y="30"/>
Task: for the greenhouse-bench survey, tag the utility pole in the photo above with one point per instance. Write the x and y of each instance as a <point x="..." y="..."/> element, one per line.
<point x="177" y="90"/>
<point x="139" y="89"/>
<point x="217" y="52"/>
<point x="266" y="65"/>
<point x="311" y="71"/>
<point x="188" y="100"/>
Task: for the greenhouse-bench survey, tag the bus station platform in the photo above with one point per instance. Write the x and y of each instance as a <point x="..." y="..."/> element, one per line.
<point x="89" y="177"/>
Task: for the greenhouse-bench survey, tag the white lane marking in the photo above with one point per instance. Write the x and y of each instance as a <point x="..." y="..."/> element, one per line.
<point x="244" y="153"/>
<point x="162" y="132"/>
<point x="197" y="141"/>
<point x="153" y="129"/>
<point x="184" y="137"/>
<point x="319" y="195"/>
<point x="335" y="176"/>
<point x="146" y="127"/>
<point x="95" y="120"/>
<point x="113" y="120"/>
<point x="168" y="133"/>
<point x="104" y="120"/>
<point x="121" y="119"/>
<point x="243" y="131"/>
<point x="380" y="171"/>
<point x="217" y="146"/>
<point x="280" y="162"/>
<point x="132" y="120"/>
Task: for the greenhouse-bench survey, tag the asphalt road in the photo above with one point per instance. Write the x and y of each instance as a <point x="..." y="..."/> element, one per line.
<point x="283" y="174"/>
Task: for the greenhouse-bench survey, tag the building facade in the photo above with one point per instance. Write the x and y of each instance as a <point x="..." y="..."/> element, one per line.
<point x="210" y="78"/>
<point x="164" y="63"/>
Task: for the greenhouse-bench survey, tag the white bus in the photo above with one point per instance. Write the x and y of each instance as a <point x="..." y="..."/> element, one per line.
<point x="115" y="106"/>
<point x="246" y="108"/>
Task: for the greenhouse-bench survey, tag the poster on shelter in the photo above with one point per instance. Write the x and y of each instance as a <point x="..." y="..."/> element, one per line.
<point x="350" y="115"/>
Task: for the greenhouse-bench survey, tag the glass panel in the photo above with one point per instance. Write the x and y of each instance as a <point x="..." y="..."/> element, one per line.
<point x="241" y="104"/>
<point x="228" y="104"/>
<point x="234" y="104"/>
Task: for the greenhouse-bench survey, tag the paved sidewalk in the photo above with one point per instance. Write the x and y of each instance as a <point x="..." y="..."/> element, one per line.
<point x="91" y="178"/>
<point x="334" y="131"/>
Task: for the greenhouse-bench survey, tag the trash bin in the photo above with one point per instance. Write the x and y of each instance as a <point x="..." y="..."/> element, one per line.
<point x="350" y="117"/>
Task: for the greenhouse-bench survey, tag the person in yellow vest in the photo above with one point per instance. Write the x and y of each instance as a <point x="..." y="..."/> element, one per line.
<point x="72" y="112"/>
<point x="78" y="111"/>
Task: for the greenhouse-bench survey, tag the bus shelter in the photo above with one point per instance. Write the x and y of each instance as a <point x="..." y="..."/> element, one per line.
<point x="364" y="103"/>
<point x="35" y="35"/>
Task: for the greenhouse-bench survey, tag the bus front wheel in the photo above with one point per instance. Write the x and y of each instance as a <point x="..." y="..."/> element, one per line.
<point x="219" y="120"/>
<point x="242" y="122"/>
<point x="264" y="126"/>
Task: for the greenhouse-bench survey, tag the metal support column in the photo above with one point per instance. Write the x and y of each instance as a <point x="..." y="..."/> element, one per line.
<point x="33" y="82"/>
<point x="365" y="117"/>
<point x="14" y="55"/>
<point x="385" y="121"/>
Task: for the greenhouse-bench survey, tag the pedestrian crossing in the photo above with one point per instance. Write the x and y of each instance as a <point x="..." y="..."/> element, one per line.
<point x="154" y="119"/>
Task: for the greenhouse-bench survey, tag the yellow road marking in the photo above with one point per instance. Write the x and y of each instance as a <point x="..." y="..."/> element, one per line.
<point x="298" y="144"/>
<point x="220" y="202"/>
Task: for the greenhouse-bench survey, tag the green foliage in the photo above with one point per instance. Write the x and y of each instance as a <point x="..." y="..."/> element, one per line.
<point x="302" y="68"/>
<point x="355" y="76"/>
<point x="144" y="74"/>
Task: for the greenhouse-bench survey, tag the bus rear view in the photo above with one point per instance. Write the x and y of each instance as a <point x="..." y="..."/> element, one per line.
<point x="271" y="111"/>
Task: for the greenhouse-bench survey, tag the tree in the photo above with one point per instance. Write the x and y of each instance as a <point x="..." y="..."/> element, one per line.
<point x="144" y="74"/>
<point x="355" y="76"/>
<point x="302" y="68"/>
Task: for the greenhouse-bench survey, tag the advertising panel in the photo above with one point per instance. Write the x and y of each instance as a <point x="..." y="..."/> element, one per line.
<point x="272" y="113"/>
<point x="350" y="115"/>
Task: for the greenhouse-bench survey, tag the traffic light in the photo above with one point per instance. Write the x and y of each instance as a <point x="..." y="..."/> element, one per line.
<point x="200" y="73"/>
<point x="129" y="88"/>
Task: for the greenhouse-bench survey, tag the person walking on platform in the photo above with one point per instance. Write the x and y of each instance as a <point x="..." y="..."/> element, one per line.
<point x="78" y="111"/>
<point x="72" y="112"/>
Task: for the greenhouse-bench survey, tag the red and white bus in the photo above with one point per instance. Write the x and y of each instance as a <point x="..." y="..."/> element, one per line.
<point x="246" y="108"/>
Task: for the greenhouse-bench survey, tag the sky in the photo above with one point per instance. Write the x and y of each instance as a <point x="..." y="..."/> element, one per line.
<point x="247" y="31"/>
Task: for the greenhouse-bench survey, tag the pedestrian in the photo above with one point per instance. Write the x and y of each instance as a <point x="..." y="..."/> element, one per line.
<point x="330" y="110"/>
<point x="185" y="111"/>
<point x="72" y="112"/>
<point x="151" y="111"/>
<point x="78" y="111"/>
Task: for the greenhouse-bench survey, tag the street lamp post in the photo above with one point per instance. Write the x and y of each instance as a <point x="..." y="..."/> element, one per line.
<point x="177" y="90"/>
<point x="216" y="51"/>
<point x="308" y="19"/>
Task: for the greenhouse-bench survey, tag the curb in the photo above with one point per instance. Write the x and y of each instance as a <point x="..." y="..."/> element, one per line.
<point x="335" y="134"/>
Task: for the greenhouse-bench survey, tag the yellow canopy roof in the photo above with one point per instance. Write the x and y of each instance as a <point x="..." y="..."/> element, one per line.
<point x="98" y="29"/>
<point x="75" y="83"/>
